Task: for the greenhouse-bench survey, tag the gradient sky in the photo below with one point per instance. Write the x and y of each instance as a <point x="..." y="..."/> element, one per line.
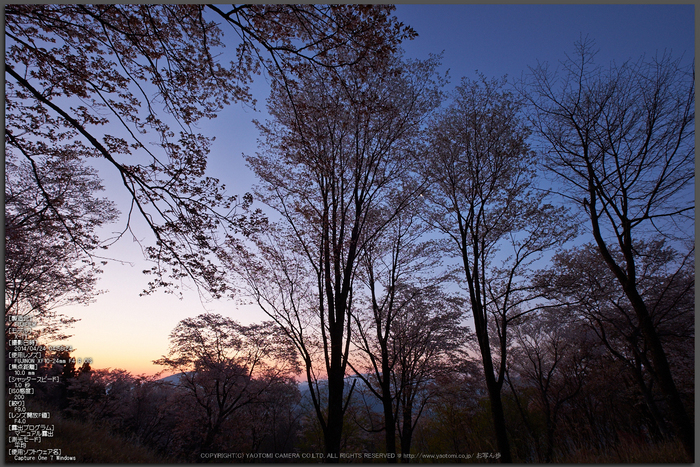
<point x="122" y="330"/>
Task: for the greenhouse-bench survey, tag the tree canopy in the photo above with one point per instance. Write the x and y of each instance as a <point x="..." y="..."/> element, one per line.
<point x="128" y="83"/>
<point x="51" y="243"/>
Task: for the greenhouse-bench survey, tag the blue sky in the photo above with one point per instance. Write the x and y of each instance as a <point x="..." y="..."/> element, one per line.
<point x="506" y="39"/>
<point x="123" y="330"/>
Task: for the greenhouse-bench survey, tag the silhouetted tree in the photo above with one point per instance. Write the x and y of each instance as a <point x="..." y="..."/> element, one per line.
<point x="457" y="416"/>
<point x="580" y="280"/>
<point x="425" y="341"/>
<point x="621" y="140"/>
<point x="550" y="354"/>
<point x="152" y="72"/>
<point x="399" y="272"/>
<point x="225" y="366"/>
<point x="51" y="215"/>
<point x="333" y="157"/>
<point x="271" y="423"/>
<point x="483" y="198"/>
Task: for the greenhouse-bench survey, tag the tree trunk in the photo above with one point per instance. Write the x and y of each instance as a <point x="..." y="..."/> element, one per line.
<point x="662" y="370"/>
<point x="681" y="421"/>
<point x="389" y="422"/>
<point x="212" y="431"/>
<point x="534" y="434"/>
<point x="406" y="433"/>
<point x="659" y="423"/>
<point x="550" y="441"/>
<point x="336" y="384"/>
<point x="499" y="419"/>
<point x="334" y="428"/>
<point x="494" y="388"/>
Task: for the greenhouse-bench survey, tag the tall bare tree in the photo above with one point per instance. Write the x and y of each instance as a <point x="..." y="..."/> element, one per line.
<point x="335" y="154"/>
<point x="384" y="265"/>
<point x="407" y="326"/>
<point x="621" y="140"/>
<point x="497" y="223"/>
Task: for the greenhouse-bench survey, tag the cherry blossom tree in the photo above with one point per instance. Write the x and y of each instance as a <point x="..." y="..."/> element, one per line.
<point x="334" y="164"/>
<point x="129" y="84"/>
<point x="485" y="201"/>
<point x="225" y="366"/>
<point x="51" y="240"/>
<point x="622" y="141"/>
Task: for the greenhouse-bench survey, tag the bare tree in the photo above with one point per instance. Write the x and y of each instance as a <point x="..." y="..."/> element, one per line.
<point x="621" y="141"/>
<point x="484" y="200"/>
<point x="225" y="366"/>
<point x="397" y="270"/>
<point x="405" y="343"/>
<point x="334" y="155"/>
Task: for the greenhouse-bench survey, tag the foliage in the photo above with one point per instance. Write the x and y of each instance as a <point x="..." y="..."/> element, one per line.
<point x="51" y="217"/>
<point x="551" y="358"/>
<point x="113" y="81"/>
<point x="225" y="366"/>
<point x="580" y="279"/>
<point x="109" y="58"/>
<point x="457" y="417"/>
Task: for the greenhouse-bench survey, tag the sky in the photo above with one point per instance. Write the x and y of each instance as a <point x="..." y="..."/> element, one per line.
<point x="124" y="330"/>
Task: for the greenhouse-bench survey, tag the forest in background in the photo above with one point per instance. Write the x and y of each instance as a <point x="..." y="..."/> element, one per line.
<point x="504" y="272"/>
